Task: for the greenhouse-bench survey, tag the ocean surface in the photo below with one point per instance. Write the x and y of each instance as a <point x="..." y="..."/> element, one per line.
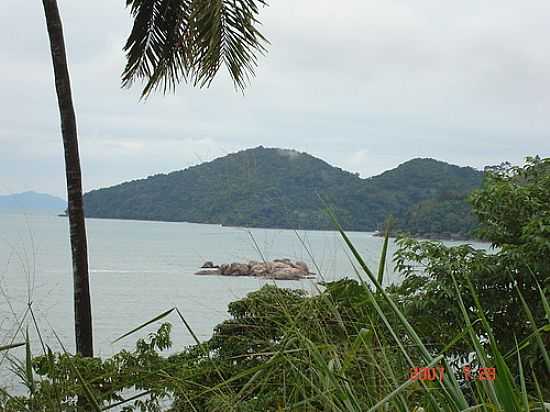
<point x="140" y="269"/>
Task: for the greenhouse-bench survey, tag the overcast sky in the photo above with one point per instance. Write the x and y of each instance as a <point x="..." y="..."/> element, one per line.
<point x="363" y="84"/>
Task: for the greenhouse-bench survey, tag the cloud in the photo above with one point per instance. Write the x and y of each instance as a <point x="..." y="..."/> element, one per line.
<point x="362" y="84"/>
<point x="291" y="154"/>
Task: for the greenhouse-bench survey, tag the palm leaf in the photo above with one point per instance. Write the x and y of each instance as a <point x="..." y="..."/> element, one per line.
<point x="175" y="40"/>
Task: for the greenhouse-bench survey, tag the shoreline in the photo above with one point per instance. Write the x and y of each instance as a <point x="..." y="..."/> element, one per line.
<point x="374" y="233"/>
<point x="436" y="237"/>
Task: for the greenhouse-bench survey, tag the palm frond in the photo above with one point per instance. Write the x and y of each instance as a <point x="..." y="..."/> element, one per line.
<point x="190" y="40"/>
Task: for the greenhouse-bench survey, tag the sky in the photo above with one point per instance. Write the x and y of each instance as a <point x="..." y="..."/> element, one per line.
<point x="365" y="85"/>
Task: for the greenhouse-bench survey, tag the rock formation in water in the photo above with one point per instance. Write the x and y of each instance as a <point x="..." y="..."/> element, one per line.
<point x="280" y="269"/>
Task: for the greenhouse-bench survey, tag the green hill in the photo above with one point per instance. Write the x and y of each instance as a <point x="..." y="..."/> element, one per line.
<point x="269" y="187"/>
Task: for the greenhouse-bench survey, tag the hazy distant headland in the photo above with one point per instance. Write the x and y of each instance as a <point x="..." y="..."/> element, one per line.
<point x="32" y="202"/>
<point x="281" y="188"/>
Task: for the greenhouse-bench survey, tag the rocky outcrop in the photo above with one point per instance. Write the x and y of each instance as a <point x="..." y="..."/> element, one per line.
<point x="280" y="269"/>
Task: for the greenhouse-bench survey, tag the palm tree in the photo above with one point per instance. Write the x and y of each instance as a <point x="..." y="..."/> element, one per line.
<point x="171" y="41"/>
<point x="82" y="307"/>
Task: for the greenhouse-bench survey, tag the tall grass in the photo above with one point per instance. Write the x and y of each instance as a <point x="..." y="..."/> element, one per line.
<point x="287" y="352"/>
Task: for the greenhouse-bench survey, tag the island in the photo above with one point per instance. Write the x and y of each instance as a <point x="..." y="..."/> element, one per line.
<point x="281" y="188"/>
<point x="279" y="269"/>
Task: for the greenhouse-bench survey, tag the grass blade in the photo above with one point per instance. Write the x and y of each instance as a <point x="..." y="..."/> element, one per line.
<point x="536" y="331"/>
<point x="401" y="387"/>
<point x="11" y="346"/>
<point x="156" y="318"/>
<point x="89" y="395"/>
<point x="382" y="263"/>
<point x="459" y="401"/>
<point x="29" y="378"/>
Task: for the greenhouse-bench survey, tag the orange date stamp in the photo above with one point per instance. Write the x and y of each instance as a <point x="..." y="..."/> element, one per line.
<point x="438" y="373"/>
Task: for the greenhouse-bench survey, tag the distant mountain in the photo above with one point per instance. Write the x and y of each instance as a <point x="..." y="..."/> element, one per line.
<point x="32" y="201"/>
<point x="270" y="187"/>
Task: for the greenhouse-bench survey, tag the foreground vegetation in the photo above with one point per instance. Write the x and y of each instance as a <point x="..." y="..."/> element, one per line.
<point x="351" y="347"/>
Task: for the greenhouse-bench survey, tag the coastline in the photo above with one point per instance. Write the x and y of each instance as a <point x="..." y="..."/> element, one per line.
<point x="374" y="233"/>
<point x="433" y="236"/>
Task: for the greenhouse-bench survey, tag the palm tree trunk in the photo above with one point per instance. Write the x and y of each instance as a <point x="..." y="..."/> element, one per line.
<point x="82" y="307"/>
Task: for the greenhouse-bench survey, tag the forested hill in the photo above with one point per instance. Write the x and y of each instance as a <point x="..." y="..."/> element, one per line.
<point x="269" y="187"/>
